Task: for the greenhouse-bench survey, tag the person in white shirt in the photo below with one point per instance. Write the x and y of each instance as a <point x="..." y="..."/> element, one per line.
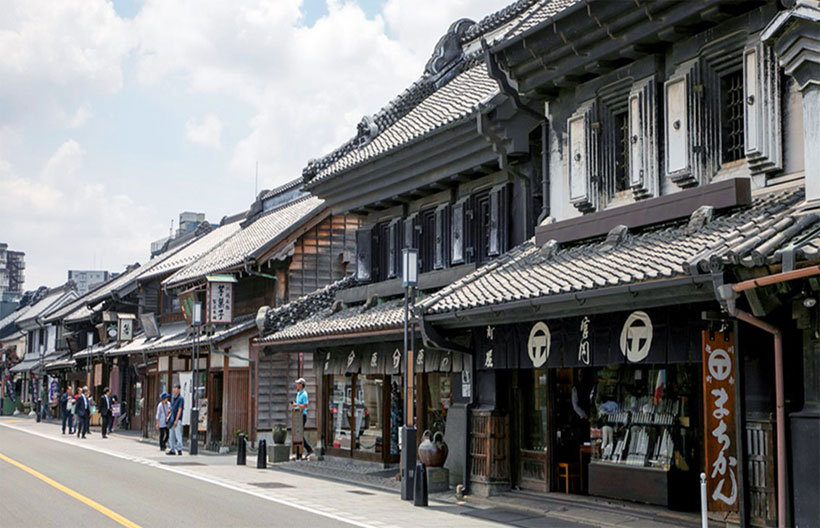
<point x="163" y="412"/>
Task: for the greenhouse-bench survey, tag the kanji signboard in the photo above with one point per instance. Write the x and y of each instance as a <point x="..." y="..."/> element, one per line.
<point x="220" y="302"/>
<point x="719" y="412"/>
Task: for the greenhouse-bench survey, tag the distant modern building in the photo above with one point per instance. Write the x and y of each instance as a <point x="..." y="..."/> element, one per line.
<point x="188" y="222"/>
<point x="12" y="277"/>
<point x="88" y="279"/>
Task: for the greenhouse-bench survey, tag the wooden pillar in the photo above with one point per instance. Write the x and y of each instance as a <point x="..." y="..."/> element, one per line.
<point x="225" y="389"/>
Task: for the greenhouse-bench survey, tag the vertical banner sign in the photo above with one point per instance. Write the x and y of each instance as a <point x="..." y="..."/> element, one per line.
<point x="186" y="304"/>
<point x="186" y="382"/>
<point x="719" y="417"/>
<point x="220" y="302"/>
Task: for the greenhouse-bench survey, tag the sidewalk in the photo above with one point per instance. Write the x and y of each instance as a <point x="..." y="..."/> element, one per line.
<point x="366" y="495"/>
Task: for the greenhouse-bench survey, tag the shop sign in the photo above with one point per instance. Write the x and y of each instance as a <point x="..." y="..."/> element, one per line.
<point x="538" y="345"/>
<point x="719" y="411"/>
<point x="466" y="383"/>
<point x="396" y="360"/>
<point x="125" y="327"/>
<point x="583" y="346"/>
<point x="220" y="302"/>
<point x="636" y="337"/>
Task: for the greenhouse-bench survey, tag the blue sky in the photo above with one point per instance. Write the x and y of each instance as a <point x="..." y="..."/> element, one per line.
<point x="117" y="115"/>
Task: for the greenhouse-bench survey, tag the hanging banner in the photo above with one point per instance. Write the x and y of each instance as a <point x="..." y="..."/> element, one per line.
<point x="186" y="382"/>
<point x="220" y="302"/>
<point x="719" y="411"/>
<point x="186" y="305"/>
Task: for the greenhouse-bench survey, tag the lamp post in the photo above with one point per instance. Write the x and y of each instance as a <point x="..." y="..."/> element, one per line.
<point x="410" y="271"/>
<point x="197" y="324"/>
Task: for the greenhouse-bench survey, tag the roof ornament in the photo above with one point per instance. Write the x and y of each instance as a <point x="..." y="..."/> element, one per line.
<point x="448" y="50"/>
<point x="699" y="218"/>
<point x="549" y="249"/>
<point x="617" y="235"/>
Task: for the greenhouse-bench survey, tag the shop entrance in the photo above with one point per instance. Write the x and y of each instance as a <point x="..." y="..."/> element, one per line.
<point x="215" y="408"/>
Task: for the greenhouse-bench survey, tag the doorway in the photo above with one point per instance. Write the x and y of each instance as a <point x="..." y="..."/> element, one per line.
<point x="215" y="408"/>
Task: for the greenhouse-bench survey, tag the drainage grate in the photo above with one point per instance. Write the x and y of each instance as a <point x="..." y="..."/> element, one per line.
<point x="182" y="463"/>
<point x="270" y="485"/>
<point x="360" y="492"/>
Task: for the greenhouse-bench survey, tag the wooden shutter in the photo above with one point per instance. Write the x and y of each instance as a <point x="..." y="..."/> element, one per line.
<point x="364" y="239"/>
<point x="457" y="242"/>
<point x="440" y="253"/>
<point x="761" y="109"/>
<point x="583" y="149"/>
<point x="410" y="240"/>
<point x="470" y="229"/>
<point x="644" y="175"/>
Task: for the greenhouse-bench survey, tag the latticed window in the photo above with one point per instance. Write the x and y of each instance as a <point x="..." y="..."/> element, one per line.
<point x="621" y="151"/>
<point x="732" y="141"/>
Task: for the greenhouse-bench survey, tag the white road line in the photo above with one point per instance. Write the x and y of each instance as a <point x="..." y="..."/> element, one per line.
<point x="202" y="478"/>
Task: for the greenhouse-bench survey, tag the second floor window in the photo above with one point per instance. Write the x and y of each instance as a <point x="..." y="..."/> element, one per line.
<point x="731" y="121"/>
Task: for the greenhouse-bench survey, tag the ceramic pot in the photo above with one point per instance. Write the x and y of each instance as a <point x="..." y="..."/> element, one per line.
<point x="433" y="450"/>
<point x="280" y="434"/>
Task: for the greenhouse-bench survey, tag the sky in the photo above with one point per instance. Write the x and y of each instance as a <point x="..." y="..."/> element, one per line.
<point x="115" y="116"/>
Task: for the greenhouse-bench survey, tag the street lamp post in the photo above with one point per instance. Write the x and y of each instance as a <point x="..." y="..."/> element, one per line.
<point x="410" y="260"/>
<point x="37" y="385"/>
<point x="197" y="324"/>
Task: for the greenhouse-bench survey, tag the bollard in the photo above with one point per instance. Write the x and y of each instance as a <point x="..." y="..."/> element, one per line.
<point x="704" y="510"/>
<point x="241" y="451"/>
<point x="262" y="455"/>
<point x="38" y="412"/>
<point x="420" y="491"/>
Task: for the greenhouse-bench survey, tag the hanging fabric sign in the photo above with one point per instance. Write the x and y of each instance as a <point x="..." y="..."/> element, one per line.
<point x="719" y="411"/>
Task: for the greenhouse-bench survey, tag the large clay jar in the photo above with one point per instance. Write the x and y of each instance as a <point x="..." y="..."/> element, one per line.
<point x="280" y="434"/>
<point x="433" y="450"/>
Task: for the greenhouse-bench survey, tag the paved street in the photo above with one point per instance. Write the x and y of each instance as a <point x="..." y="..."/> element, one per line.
<point x="121" y="481"/>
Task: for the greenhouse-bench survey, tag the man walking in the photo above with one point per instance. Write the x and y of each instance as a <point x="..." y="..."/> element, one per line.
<point x="302" y="403"/>
<point x="66" y="400"/>
<point x="163" y="413"/>
<point x="175" y="422"/>
<point x="105" y="411"/>
<point x="83" y="413"/>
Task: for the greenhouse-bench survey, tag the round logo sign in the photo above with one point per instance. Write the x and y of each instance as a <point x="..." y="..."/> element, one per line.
<point x="538" y="346"/>
<point x="636" y="337"/>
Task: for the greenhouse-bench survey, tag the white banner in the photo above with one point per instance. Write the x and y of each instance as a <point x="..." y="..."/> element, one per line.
<point x="186" y="381"/>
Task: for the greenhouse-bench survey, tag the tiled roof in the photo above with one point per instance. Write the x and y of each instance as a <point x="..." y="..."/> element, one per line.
<point x="282" y="188"/>
<point x="192" y="251"/>
<point x="266" y="229"/>
<point x="455" y="100"/>
<point x="12" y="317"/>
<point x="540" y="12"/>
<point x="123" y="280"/>
<point x="750" y="236"/>
<point x="56" y="298"/>
<point x="383" y="316"/>
<point x="305" y="306"/>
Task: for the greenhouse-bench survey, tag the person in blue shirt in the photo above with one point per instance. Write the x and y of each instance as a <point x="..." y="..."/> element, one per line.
<point x="175" y="422"/>
<point x="302" y="403"/>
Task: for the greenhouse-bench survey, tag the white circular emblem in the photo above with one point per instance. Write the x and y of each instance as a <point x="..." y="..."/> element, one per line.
<point x="636" y="336"/>
<point x="538" y="346"/>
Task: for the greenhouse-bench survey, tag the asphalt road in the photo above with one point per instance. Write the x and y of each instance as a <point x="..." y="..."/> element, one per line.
<point x="140" y="495"/>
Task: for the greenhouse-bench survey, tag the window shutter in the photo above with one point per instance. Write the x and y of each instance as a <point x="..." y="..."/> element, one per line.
<point x="457" y="242"/>
<point x="761" y="109"/>
<point x="363" y="253"/>
<point x="583" y="147"/>
<point x="440" y="253"/>
<point x="409" y="231"/>
<point x="692" y="135"/>
<point x="393" y="249"/>
<point x="643" y="139"/>
<point x="498" y="220"/>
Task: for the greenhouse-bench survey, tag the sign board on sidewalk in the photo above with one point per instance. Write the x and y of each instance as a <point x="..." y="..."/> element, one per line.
<point x="720" y="434"/>
<point x="297" y="428"/>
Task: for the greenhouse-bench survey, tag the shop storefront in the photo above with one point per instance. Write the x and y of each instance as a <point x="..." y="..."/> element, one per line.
<point x="608" y="404"/>
<point x="363" y="395"/>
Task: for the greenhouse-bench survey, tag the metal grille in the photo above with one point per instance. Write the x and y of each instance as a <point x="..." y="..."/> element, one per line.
<point x="732" y="120"/>
<point x="621" y="152"/>
<point x="761" y="473"/>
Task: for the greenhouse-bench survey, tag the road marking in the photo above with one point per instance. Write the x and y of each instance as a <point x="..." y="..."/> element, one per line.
<point x="210" y="480"/>
<point x="68" y="491"/>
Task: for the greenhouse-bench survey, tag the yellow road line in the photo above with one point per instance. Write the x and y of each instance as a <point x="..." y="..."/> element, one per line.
<point x="82" y="498"/>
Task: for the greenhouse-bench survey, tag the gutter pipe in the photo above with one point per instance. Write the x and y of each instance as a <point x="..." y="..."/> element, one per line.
<point x="727" y="296"/>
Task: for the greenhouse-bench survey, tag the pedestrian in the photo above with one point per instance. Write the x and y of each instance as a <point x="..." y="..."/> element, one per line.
<point x="43" y="402"/>
<point x="175" y="422"/>
<point x="83" y="413"/>
<point x="105" y="411"/>
<point x="163" y="414"/>
<point x="302" y="403"/>
<point x="66" y="400"/>
<point x="114" y="407"/>
<point x="77" y="395"/>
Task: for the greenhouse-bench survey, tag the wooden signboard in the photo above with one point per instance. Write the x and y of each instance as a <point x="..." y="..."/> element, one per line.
<point x="297" y="428"/>
<point x="720" y="434"/>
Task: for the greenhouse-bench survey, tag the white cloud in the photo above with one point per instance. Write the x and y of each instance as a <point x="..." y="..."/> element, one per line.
<point x="55" y="53"/>
<point x="206" y="132"/>
<point x="62" y="218"/>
